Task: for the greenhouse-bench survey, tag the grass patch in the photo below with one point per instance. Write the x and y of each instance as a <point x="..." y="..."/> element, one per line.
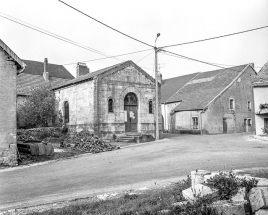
<point x="149" y="202"/>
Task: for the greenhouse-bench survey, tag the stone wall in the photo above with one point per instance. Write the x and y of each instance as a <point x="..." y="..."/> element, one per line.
<point x="8" y="142"/>
<point x="81" y="105"/>
<point x="241" y="91"/>
<point x="116" y="86"/>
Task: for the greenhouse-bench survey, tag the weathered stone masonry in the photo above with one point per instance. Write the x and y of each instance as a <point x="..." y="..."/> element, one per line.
<point x="9" y="66"/>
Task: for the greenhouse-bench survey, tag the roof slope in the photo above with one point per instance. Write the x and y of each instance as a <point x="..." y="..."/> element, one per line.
<point x="37" y="68"/>
<point x="172" y="85"/>
<point x="32" y="76"/>
<point x="91" y="75"/>
<point x="262" y="76"/>
<point x="203" y="88"/>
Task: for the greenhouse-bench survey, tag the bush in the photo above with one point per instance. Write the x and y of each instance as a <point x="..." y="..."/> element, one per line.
<point x="228" y="184"/>
<point x="187" y="131"/>
<point x="39" y="133"/>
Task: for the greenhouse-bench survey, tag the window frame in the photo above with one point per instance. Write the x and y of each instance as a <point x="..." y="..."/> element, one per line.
<point x="66" y="119"/>
<point x="110" y="108"/>
<point x="195" y="123"/>
<point x="249" y="121"/>
<point x="152" y="107"/>
<point x="249" y="105"/>
<point x="233" y="104"/>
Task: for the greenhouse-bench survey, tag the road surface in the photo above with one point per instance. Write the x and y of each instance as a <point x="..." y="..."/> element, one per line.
<point x="129" y="168"/>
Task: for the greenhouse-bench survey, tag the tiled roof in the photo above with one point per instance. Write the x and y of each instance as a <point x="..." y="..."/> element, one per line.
<point x="204" y="87"/>
<point x="37" y="68"/>
<point x="172" y="85"/>
<point x="262" y="77"/>
<point x="32" y="76"/>
<point x="91" y="75"/>
<point x="17" y="60"/>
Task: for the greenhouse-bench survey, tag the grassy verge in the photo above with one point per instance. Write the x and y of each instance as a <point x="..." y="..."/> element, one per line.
<point x="260" y="173"/>
<point x="149" y="202"/>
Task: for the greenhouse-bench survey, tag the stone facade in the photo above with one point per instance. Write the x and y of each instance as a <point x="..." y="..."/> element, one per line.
<point x="217" y="116"/>
<point x="9" y="65"/>
<point x="88" y="101"/>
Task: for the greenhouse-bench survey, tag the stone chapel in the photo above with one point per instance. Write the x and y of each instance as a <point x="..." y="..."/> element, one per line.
<point x="116" y="100"/>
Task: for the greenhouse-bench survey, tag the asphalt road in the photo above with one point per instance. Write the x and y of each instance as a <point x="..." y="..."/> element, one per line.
<point x="129" y="168"/>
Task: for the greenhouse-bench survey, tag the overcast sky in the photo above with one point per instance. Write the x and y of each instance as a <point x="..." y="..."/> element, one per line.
<point x="177" y="21"/>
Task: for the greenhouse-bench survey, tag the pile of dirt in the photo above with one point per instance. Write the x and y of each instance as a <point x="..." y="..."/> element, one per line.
<point x="87" y="142"/>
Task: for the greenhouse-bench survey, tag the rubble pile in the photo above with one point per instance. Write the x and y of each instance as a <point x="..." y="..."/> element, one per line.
<point x="87" y="142"/>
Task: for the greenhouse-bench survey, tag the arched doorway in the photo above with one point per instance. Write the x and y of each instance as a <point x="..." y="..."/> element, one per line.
<point x="131" y="112"/>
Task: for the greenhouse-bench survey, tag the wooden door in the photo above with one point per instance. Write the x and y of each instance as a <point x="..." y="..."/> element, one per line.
<point x="131" y="118"/>
<point x="224" y="126"/>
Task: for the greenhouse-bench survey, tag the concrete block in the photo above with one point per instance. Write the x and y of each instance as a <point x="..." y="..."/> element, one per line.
<point x="262" y="183"/>
<point x="227" y="208"/>
<point x="240" y="196"/>
<point x="262" y="212"/>
<point x="258" y="198"/>
<point x="42" y="149"/>
<point x="197" y="177"/>
<point x="195" y="191"/>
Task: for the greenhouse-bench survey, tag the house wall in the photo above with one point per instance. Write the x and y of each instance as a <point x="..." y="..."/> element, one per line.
<point x="183" y="120"/>
<point x="81" y="105"/>
<point x="212" y="119"/>
<point x="8" y="130"/>
<point x="260" y="97"/>
<point x="116" y="86"/>
<point x="166" y="110"/>
<point x="241" y="91"/>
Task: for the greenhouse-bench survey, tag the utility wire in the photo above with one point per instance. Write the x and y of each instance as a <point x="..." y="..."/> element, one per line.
<point x="107" y="57"/>
<point x="145" y="57"/>
<point x="213" y="38"/>
<point x="54" y="35"/>
<point x="105" y="24"/>
<point x="189" y="58"/>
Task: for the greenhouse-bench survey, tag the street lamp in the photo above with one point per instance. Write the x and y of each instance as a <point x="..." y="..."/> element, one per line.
<point x="156" y="92"/>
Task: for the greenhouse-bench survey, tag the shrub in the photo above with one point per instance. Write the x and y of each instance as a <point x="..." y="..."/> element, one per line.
<point x="187" y="131"/>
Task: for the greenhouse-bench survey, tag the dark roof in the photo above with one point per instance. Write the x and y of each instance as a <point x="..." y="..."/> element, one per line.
<point x="12" y="54"/>
<point x="37" y="68"/>
<point x="204" y="87"/>
<point x="32" y="76"/>
<point x="91" y="75"/>
<point x="262" y="77"/>
<point x="172" y="85"/>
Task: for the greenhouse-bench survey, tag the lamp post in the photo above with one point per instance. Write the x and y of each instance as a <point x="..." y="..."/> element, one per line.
<point x="156" y="92"/>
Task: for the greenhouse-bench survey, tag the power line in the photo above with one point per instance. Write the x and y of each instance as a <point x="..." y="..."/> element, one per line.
<point x="213" y="38"/>
<point x="145" y="57"/>
<point x="189" y="58"/>
<point x="107" y="57"/>
<point x="105" y="24"/>
<point x="53" y="35"/>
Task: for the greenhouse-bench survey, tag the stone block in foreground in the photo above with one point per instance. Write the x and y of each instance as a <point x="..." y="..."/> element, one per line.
<point x="258" y="197"/>
<point x="230" y="208"/>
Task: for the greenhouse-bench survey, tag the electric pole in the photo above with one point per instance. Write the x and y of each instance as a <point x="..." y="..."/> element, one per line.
<point x="156" y="93"/>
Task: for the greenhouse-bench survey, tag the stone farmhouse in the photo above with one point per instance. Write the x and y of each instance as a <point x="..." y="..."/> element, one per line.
<point x="116" y="100"/>
<point x="260" y="89"/>
<point x="10" y="66"/>
<point x="219" y="101"/>
<point x="37" y="73"/>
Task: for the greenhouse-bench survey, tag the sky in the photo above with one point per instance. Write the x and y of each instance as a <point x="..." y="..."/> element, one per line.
<point x="177" y="21"/>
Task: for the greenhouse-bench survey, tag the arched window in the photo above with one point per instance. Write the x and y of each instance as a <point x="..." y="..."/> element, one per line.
<point x="150" y="106"/>
<point x="66" y="112"/>
<point x="110" y="105"/>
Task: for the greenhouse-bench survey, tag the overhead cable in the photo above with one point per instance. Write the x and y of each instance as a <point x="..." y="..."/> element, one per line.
<point x="213" y="38"/>
<point x="105" y="24"/>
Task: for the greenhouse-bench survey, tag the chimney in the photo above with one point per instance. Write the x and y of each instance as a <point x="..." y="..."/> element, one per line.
<point x="81" y="69"/>
<point x="45" y="73"/>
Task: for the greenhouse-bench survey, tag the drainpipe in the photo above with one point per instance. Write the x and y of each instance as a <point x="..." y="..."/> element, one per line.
<point x="165" y="123"/>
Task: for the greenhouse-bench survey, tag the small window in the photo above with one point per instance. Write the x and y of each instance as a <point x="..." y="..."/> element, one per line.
<point x="249" y="105"/>
<point x="195" y="122"/>
<point x="150" y="107"/>
<point x="249" y="122"/>
<point x="110" y="105"/>
<point x="66" y="112"/>
<point x="231" y="105"/>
